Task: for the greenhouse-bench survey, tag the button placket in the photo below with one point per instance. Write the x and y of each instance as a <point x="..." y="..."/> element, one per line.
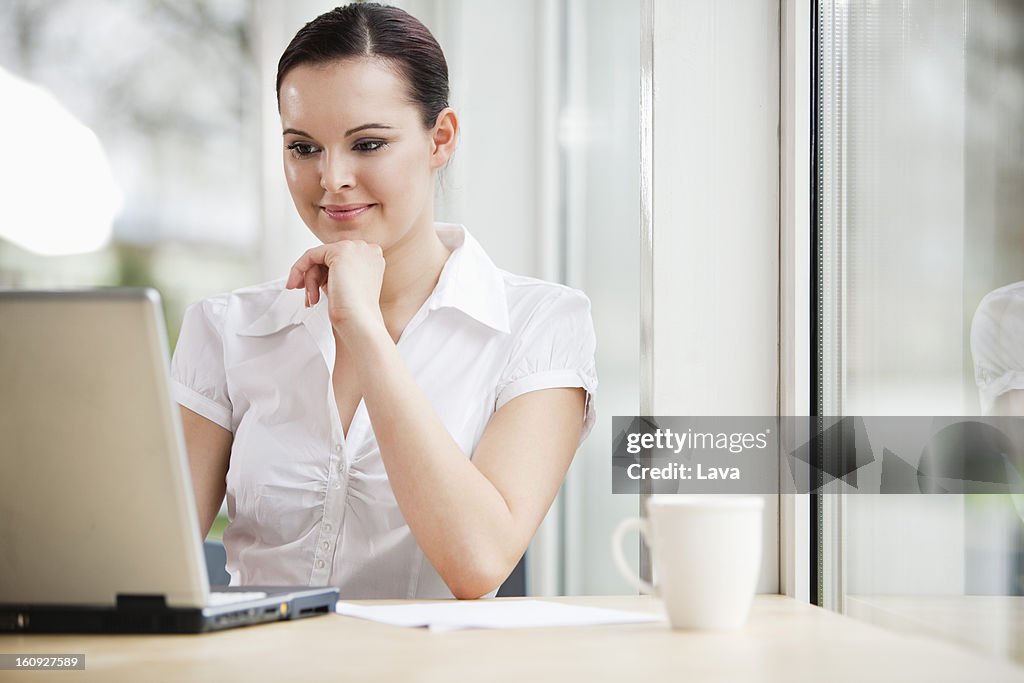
<point x="334" y="504"/>
<point x="340" y="467"/>
<point x="334" y="509"/>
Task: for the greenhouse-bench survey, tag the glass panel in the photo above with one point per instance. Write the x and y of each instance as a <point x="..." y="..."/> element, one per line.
<point x="608" y="61"/>
<point x="920" y="196"/>
<point x="160" y="132"/>
<point x="548" y="94"/>
<point x="176" y="107"/>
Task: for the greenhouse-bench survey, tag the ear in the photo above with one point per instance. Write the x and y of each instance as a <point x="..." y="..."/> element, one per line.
<point x="443" y="137"/>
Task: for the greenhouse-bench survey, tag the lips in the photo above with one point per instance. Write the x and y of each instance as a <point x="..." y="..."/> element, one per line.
<point x="345" y="212"/>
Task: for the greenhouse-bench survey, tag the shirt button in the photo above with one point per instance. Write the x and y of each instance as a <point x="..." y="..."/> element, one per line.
<point x="326" y="545"/>
<point x="337" y="448"/>
<point x="327" y="527"/>
<point x="319" y="564"/>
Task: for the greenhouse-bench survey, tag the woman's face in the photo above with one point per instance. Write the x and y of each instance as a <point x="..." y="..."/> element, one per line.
<point x="358" y="161"/>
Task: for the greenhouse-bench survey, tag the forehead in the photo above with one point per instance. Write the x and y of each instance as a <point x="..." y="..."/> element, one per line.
<point x="345" y="92"/>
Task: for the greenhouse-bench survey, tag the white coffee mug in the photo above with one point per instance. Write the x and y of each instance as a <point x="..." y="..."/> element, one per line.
<point x="706" y="553"/>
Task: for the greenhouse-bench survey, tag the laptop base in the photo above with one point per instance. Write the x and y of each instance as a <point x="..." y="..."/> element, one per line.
<point x="145" y="614"/>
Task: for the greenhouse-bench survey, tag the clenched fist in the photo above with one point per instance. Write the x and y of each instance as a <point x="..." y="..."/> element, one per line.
<point x="351" y="273"/>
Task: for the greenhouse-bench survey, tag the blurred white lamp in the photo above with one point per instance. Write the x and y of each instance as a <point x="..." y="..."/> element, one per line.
<point x="58" y="194"/>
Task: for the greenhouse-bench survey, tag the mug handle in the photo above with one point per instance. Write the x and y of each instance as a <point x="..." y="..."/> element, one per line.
<point x="625" y="526"/>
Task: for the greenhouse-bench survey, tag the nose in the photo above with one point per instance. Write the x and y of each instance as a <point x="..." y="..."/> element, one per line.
<point x="337" y="172"/>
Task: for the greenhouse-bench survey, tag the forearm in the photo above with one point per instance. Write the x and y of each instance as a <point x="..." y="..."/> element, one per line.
<point x="459" y="518"/>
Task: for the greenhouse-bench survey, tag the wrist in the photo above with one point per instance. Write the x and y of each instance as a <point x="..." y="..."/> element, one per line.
<point x="363" y="336"/>
<point x="346" y="321"/>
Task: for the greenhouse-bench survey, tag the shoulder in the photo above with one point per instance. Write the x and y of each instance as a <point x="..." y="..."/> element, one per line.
<point x="237" y="308"/>
<point x="547" y="318"/>
<point x="530" y="299"/>
<point x="998" y="300"/>
<point x="552" y="341"/>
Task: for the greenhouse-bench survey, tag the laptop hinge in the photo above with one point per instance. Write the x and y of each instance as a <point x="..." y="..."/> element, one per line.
<point x="141" y="602"/>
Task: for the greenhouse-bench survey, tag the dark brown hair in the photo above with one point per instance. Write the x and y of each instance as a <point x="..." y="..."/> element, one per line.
<point x="374" y="30"/>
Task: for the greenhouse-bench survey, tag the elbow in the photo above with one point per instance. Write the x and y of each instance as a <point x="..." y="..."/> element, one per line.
<point x="472" y="581"/>
<point x="469" y="592"/>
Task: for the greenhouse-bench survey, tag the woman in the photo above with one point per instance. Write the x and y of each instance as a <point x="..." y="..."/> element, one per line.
<point x="394" y="418"/>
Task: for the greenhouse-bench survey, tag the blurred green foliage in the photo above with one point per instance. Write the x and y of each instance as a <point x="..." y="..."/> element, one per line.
<point x="217" y="530"/>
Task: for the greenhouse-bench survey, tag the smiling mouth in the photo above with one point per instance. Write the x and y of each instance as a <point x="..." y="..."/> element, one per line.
<point x="346" y="212"/>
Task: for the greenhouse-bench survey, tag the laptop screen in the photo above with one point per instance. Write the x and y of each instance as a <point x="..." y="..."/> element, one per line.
<point x="95" y="497"/>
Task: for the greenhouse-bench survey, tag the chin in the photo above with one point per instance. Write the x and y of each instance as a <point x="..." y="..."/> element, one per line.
<point x="332" y="232"/>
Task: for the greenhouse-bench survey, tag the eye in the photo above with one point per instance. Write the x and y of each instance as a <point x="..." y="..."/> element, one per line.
<point x="369" y="145"/>
<point x="301" y="150"/>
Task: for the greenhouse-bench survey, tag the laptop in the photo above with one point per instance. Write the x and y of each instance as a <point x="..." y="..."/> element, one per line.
<point x="98" y="528"/>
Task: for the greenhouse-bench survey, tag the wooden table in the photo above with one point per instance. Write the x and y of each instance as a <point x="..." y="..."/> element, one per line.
<point x="784" y="640"/>
<point x="990" y="623"/>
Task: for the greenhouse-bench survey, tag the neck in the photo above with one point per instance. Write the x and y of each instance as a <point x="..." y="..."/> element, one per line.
<point x="413" y="267"/>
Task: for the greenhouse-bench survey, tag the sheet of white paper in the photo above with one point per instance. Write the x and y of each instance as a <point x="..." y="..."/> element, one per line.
<point x="448" y="616"/>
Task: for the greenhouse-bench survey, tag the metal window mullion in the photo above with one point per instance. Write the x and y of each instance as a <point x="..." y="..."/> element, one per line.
<point x="646" y="241"/>
<point x="832" y="277"/>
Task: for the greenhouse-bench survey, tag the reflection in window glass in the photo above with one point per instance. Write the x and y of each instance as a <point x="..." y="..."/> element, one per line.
<point x="921" y="193"/>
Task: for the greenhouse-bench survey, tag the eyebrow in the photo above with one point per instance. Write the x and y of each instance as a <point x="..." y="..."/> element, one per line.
<point x="365" y="126"/>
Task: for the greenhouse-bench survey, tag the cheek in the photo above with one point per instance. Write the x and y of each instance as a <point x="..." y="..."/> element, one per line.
<point x="297" y="174"/>
<point x="404" y="176"/>
<point x="301" y="177"/>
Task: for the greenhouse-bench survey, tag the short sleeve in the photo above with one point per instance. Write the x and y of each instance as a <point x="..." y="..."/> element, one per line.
<point x="996" y="333"/>
<point x="198" y="377"/>
<point x="555" y="349"/>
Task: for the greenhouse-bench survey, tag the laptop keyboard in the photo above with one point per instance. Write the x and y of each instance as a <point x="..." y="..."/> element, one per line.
<point x="221" y="599"/>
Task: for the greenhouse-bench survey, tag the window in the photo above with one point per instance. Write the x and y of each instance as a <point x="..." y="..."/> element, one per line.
<point x="920" y="246"/>
<point x="167" y="91"/>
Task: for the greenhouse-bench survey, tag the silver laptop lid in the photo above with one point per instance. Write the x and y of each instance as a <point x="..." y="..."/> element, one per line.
<point x="95" y="492"/>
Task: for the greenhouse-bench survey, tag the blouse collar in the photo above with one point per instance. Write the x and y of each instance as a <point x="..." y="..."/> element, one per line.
<point x="469" y="282"/>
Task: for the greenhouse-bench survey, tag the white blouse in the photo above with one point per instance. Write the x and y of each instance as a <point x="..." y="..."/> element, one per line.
<point x="307" y="504"/>
<point x="997" y="344"/>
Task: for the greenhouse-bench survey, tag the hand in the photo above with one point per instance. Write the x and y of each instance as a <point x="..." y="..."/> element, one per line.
<point x="351" y="272"/>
